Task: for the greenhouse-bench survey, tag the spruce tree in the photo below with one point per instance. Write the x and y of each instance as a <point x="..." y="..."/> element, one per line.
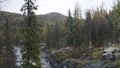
<point x="116" y="23"/>
<point x="69" y="29"/>
<point x="30" y="52"/>
<point x="88" y="26"/>
<point x="78" y="25"/>
<point x="57" y="35"/>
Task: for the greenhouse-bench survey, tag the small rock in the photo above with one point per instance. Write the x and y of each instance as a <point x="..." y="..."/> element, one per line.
<point x="107" y="56"/>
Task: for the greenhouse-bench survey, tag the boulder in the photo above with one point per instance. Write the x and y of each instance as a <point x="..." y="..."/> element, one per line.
<point x="99" y="64"/>
<point x="107" y="56"/>
<point x="85" y="57"/>
<point x="69" y="64"/>
<point x="109" y="49"/>
<point x="109" y="44"/>
<point x="94" y="64"/>
<point x="116" y="56"/>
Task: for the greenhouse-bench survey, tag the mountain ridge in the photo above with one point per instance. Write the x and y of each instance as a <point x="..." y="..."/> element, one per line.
<point x="52" y="17"/>
<point x="51" y="13"/>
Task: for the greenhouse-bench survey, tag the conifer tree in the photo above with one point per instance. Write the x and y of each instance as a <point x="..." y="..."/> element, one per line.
<point x="69" y="29"/>
<point x="88" y="27"/>
<point x="78" y="25"/>
<point x="30" y="52"/>
<point x="116" y="23"/>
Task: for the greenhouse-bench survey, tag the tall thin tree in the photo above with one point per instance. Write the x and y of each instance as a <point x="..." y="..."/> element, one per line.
<point x="30" y="52"/>
<point x="69" y="29"/>
<point x="88" y="26"/>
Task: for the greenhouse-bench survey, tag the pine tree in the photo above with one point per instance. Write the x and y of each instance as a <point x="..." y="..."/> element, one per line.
<point x="56" y="35"/>
<point x="30" y="52"/>
<point x="69" y="29"/>
<point x="100" y="25"/>
<point x="116" y="23"/>
<point x="88" y="27"/>
<point x="78" y="25"/>
<point x="48" y="42"/>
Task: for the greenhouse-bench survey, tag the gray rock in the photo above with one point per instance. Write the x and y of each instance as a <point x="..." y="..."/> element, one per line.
<point x="94" y="64"/>
<point x="107" y="56"/>
<point x="116" y="57"/>
<point x="117" y="50"/>
<point x="69" y="64"/>
<point x="99" y="64"/>
<point x="109" y="44"/>
<point x="86" y="57"/>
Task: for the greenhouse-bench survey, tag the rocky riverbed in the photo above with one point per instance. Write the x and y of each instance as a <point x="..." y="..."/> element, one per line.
<point x="110" y="58"/>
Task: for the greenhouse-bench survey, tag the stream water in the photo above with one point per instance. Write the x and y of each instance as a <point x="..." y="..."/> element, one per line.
<point x="43" y="56"/>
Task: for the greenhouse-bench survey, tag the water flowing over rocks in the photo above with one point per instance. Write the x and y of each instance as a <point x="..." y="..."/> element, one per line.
<point x="110" y="59"/>
<point x="111" y="52"/>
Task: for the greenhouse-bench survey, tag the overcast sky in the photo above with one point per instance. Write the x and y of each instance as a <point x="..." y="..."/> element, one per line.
<point x="61" y="6"/>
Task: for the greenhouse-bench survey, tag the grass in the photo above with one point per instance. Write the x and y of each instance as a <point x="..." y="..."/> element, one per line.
<point x="117" y="64"/>
<point x="97" y="54"/>
<point x="78" y="52"/>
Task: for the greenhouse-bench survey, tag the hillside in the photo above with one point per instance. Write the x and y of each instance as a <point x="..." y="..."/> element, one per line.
<point x="52" y="18"/>
<point x="47" y="18"/>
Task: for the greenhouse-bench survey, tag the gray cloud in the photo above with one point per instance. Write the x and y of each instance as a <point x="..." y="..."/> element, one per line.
<point x="62" y="6"/>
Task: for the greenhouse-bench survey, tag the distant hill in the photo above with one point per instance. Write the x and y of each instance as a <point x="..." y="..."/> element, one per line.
<point x="13" y="16"/>
<point x="53" y="17"/>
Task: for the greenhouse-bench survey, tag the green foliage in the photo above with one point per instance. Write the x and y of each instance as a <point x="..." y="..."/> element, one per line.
<point x="95" y="30"/>
<point x="78" y="25"/>
<point x="62" y="55"/>
<point x="69" y="30"/>
<point x="117" y="64"/>
<point x="88" y="28"/>
<point x="116" y="21"/>
<point x="31" y="36"/>
<point x="74" y="28"/>
<point x="6" y="45"/>
<point x="97" y="54"/>
<point x="100" y="26"/>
